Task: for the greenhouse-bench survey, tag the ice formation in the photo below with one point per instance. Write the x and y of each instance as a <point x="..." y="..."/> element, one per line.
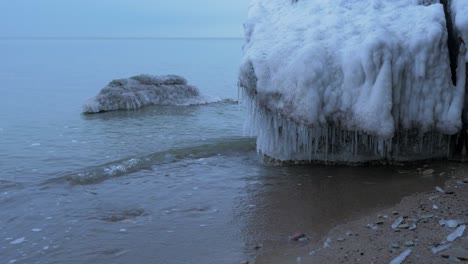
<point x="138" y="91"/>
<point x="354" y="80"/>
<point x="459" y="9"/>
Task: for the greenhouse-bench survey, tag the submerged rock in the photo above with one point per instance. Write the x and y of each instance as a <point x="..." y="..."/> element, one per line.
<point x="142" y="90"/>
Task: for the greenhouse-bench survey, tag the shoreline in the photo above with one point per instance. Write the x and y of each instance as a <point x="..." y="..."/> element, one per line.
<point x="370" y="238"/>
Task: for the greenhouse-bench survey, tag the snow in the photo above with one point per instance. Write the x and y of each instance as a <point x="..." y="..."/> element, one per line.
<point x="370" y="70"/>
<point x="138" y="91"/>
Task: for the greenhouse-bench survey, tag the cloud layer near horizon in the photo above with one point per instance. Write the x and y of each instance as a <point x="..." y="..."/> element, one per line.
<point x="122" y="18"/>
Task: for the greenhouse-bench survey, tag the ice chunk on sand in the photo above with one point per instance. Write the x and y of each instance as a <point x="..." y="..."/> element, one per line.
<point x="397" y="222"/>
<point x="459" y="10"/>
<point x="18" y="241"/>
<point x="401" y="257"/>
<point x="138" y="91"/>
<point x="329" y="77"/>
<point x="450" y="223"/>
<point x="457" y="233"/>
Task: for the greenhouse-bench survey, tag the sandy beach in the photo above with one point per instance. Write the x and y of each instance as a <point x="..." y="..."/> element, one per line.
<point x="427" y="227"/>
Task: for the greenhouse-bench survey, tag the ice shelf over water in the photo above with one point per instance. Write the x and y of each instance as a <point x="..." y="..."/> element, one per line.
<point x="138" y="91"/>
<point x="353" y="80"/>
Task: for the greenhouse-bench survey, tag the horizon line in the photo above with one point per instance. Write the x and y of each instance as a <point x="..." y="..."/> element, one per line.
<point x="106" y="38"/>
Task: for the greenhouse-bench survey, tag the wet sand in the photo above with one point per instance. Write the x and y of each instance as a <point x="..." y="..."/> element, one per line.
<point x="370" y="238"/>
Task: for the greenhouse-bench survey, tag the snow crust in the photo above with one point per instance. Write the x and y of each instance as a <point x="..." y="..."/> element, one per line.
<point x="368" y="70"/>
<point x="138" y="91"/>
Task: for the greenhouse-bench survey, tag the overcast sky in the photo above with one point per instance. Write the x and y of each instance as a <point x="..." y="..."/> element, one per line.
<point x="122" y="18"/>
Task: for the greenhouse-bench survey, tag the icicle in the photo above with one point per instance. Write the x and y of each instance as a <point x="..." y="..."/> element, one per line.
<point x="286" y="140"/>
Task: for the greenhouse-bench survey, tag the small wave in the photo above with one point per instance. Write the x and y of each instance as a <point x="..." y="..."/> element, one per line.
<point x="124" y="167"/>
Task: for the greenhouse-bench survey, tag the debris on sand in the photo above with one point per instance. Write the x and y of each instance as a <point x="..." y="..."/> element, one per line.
<point x="456" y="234"/>
<point x="450" y="223"/>
<point x="401" y="257"/>
<point x="410" y="243"/>
<point x="428" y="172"/>
<point x="138" y="91"/>
<point x="327" y="243"/>
<point x="440" y="248"/>
<point x="457" y="253"/>
<point x="18" y="241"/>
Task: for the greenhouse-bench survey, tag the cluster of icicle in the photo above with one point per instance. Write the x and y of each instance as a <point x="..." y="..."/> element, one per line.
<point x="142" y="90"/>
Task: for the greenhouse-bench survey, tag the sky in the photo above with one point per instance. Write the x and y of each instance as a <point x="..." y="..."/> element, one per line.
<point x="122" y="18"/>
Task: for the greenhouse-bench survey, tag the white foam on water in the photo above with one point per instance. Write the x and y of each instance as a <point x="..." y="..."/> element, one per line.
<point x="18" y="241"/>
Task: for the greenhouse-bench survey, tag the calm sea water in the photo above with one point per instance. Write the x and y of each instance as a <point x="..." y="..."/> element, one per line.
<point x="156" y="185"/>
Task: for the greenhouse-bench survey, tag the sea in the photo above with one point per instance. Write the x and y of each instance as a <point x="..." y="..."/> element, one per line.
<point x="161" y="184"/>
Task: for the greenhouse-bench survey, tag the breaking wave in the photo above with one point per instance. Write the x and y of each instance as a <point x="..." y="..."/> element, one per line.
<point x="123" y="167"/>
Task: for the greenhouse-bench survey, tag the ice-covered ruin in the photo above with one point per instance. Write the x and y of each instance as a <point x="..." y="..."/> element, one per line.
<point x="138" y="91"/>
<point x="355" y="80"/>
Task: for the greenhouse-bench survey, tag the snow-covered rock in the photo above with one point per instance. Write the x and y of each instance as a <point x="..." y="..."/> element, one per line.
<point x="138" y="91"/>
<point x="351" y="80"/>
